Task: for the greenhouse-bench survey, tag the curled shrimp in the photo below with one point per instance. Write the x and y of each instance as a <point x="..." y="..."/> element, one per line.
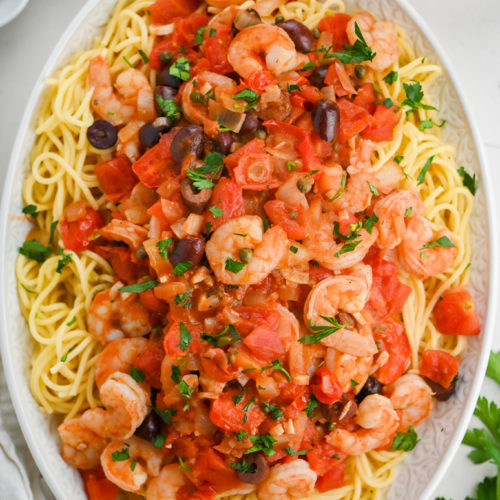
<point x="81" y="446"/>
<point x="379" y="422"/>
<point x="393" y="211"/>
<point x="421" y="254"/>
<point x="271" y="41"/>
<point x="348" y="368"/>
<point x="388" y="177"/>
<point x="126" y="405"/>
<point x="411" y="398"/>
<point x="292" y="480"/>
<point x="326" y="250"/>
<point x="263" y="250"/>
<point x="142" y="453"/>
<point x="113" y="316"/>
<point x="166" y="484"/>
<point x="135" y="97"/>
<point x="118" y="356"/>
<point x="381" y="36"/>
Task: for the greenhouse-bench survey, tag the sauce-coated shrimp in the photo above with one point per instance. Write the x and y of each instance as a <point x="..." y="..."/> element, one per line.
<point x="135" y="99"/>
<point x="264" y="250"/>
<point x="121" y="472"/>
<point x="348" y="368"/>
<point x="420" y="254"/>
<point x="118" y="356"/>
<point x="126" y="405"/>
<point x="113" y="316"/>
<point x="81" y="446"/>
<point x="379" y="422"/>
<point x="381" y="36"/>
<point x="292" y="480"/>
<point x="393" y="211"/>
<point x="411" y="398"/>
<point x="280" y="55"/>
<point x="166" y="484"/>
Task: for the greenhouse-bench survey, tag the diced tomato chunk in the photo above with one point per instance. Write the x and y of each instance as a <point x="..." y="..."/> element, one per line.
<point x="382" y="123"/>
<point x="332" y="479"/>
<point x="149" y="361"/>
<point x="320" y="457"/>
<point x="392" y="337"/>
<point x="76" y="234"/>
<point x="229" y="417"/>
<point x="366" y="97"/>
<point x="292" y="219"/>
<point x="455" y="313"/>
<point x="172" y="340"/>
<point x="254" y="172"/>
<point x="98" y="486"/>
<point x="265" y="343"/>
<point x="353" y="119"/>
<point x="215" y="49"/>
<point x="439" y="366"/>
<point x="163" y="11"/>
<point x="228" y="197"/>
<point x="325" y="386"/>
<point x="116" y="177"/>
<point x="337" y="26"/>
<point x="259" y="80"/>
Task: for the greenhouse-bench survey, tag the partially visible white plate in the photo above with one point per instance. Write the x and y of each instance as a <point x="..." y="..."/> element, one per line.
<point x="9" y="9"/>
<point x="440" y="434"/>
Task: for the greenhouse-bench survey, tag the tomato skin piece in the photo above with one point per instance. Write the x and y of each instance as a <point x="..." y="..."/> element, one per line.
<point x="229" y="417"/>
<point x="259" y="80"/>
<point x="332" y="479"/>
<point x="171" y="342"/>
<point x="149" y="361"/>
<point x="265" y="343"/>
<point x="98" y="486"/>
<point x="365" y="98"/>
<point x="382" y="123"/>
<point x="162" y="11"/>
<point x="337" y="26"/>
<point x="215" y="49"/>
<point x="280" y="213"/>
<point x="227" y="196"/>
<point x="157" y="164"/>
<point x="325" y="386"/>
<point x="76" y="234"/>
<point x="455" y="313"/>
<point x="353" y="119"/>
<point x="116" y="177"/>
<point x="255" y="146"/>
<point x="439" y="366"/>
<point x="320" y="460"/>
<point x="392" y="337"/>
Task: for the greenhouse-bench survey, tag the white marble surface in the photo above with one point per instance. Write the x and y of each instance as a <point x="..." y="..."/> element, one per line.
<point x="467" y="30"/>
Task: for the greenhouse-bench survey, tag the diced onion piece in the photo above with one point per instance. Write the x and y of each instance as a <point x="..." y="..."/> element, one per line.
<point x="193" y="224"/>
<point x="178" y="228"/>
<point x="168" y="291"/>
<point x="246" y="18"/>
<point x="76" y="211"/>
<point x="161" y="29"/>
<point x="233" y="120"/>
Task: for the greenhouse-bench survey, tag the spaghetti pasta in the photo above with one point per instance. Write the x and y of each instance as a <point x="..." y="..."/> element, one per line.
<point x="56" y="304"/>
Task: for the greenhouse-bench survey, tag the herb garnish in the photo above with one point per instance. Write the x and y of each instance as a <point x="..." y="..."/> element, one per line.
<point x="168" y="107"/>
<point x="322" y="331"/>
<point x="184" y="299"/>
<point x="33" y="249"/>
<point x="182" y="267"/>
<point x="414" y="95"/>
<point x="244" y="467"/>
<point x="180" y="68"/>
<point x="233" y="266"/>
<point x="356" y="53"/>
<point x="120" y="455"/>
<point x="262" y="443"/>
<point x="30" y="210"/>
<point x="311" y="405"/>
<point x="294" y="453"/>
<point x="391" y="77"/>
<point x="143" y="286"/>
<point x="469" y="181"/>
<point x="163" y="246"/>
<point x="275" y="412"/>
<point x="276" y="365"/>
<point x="423" y="172"/>
<point x="144" y="56"/>
<point x="138" y="375"/>
<point x="405" y="441"/>
<point x="185" y="337"/>
<point x="249" y="96"/>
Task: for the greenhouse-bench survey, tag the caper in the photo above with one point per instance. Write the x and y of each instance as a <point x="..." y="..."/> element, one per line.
<point x="279" y="19"/>
<point x="157" y="331"/>
<point x="141" y="253"/>
<point x="166" y="56"/>
<point x="260" y="133"/>
<point x="246" y="255"/>
<point x="316" y="33"/>
<point x="208" y="96"/>
<point x="224" y="340"/>
<point x="304" y="185"/>
<point x="196" y="96"/>
<point x="359" y="71"/>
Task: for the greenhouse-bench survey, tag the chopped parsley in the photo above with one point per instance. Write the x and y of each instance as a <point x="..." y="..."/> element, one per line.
<point x="185" y="337"/>
<point x="30" y="210"/>
<point x="33" y="249"/>
<point x="356" y="53"/>
<point x="322" y="331"/>
<point x="311" y="405"/>
<point x="165" y="414"/>
<point x="398" y="159"/>
<point x="159" y="441"/>
<point x="387" y="102"/>
<point x="180" y="68"/>
<point x="423" y="172"/>
<point x="341" y="190"/>
<point x="370" y="222"/>
<point x="52" y="230"/>
<point x="414" y="95"/>
<point x="32" y="291"/>
<point x="469" y="181"/>
<point x="185" y="390"/>
<point x="63" y="261"/>
<point x="183" y="465"/>
<point x="443" y="241"/>
<point x="244" y="467"/>
<point x="307" y="66"/>
<point x="72" y="322"/>
<point x="184" y="299"/>
<point x="249" y="96"/>
<point x="233" y="266"/>
<point x="199" y="35"/>
<point x="168" y="107"/>
<point x="120" y="455"/>
<point x="240" y="435"/>
<point x="373" y="189"/>
<point x="143" y="286"/>
<point x="294" y="249"/>
<point x="275" y="412"/>
<point x="293" y="86"/>
<point x="354" y="383"/>
<point x="249" y="405"/>
<point x="290" y="165"/>
<point x="213" y="163"/>
<point x="144" y="56"/>
<point x="125" y="58"/>
<point x="294" y="453"/>
<point x="222" y="339"/>
<point x="262" y="443"/>
<point x="215" y="211"/>
<point x="163" y="246"/>
<point x="408" y="211"/>
<point x="348" y="247"/>
<point x="237" y="398"/>
<point x="138" y="375"/>
<point x="212" y="32"/>
<point x="182" y="267"/>
<point x="405" y="441"/>
<point x="175" y="374"/>
<point x="391" y="77"/>
<point x="276" y="365"/>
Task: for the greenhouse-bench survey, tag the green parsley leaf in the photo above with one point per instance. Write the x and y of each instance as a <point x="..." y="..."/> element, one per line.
<point x="163" y="246"/>
<point x="322" y="331"/>
<point x="222" y="339"/>
<point x="199" y="35"/>
<point x="276" y="365"/>
<point x="493" y="370"/>
<point x="32" y="249"/>
<point x="425" y="124"/>
<point x="408" y="211"/>
<point x="120" y="455"/>
<point x="138" y="375"/>
<point x="469" y="181"/>
<point x="266" y="223"/>
<point x="341" y="190"/>
<point x="184" y="299"/>
<point x="159" y="441"/>
<point x="143" y="286"/>
<point x="311" y="405"/>
<point x="180" y="68"/>
<point x="63" y="261"/>
<point x="72" y="322"/>
<point x="127" y="61"/>
<point x="200" y="176"/>
<point x="358" y="52"/>
<point x="249" y="404"/>
<point x="52" y="230"/>
<point x="398" y="159"/>
<point x="249" y="96"/>
<point x="373" y="189"/>
<point x="387" y="102"/>
<point x="354" y="383"/>
<point x="307" y="66"/>
<point x="208" y="228"/>
<point x="443" y="242"/>
<point x="30" y="210"/>
<point x="294" y="453"/>
<point x="165" y="414"/>
<point x="233" y="266"/>
<point x="275" y="412"/>
<point x="168" y="107"/>
<point x="293" y="86"/>
<point x="183" y="465"/>
<point x="182" y="267"/>
<point x="175" y="374"/>
<point x="405" y="441"/>
<point x="290" y="165"/>
<point x="215" y="211"/>
<point x="240" y="435"/>
<point x="423" y="172"/>
<point x="185" y="337"/>
<point x="370" y="223"/>
<point x="391" y="77"/>
<point x="237" y="398"/>
<point x="244" y="467"/>
<point x="262" y="443"/>
<point x="144" y="56"/>
<point x="185" y="390"/>
<point x="414" y="95"/>
<point x="294" y="249"/>
<point x="348" y="247"/>
<point x="64" y="357"/>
